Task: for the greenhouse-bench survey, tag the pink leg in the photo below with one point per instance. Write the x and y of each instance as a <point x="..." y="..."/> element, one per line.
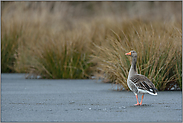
<point x="137" y="100"/>
<point x="141" y="99"/>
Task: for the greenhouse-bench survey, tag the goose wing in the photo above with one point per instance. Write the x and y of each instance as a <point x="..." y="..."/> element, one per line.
<point x="143" y="83"/>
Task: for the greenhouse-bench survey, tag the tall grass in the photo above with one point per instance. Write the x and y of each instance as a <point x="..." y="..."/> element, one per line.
<point x="61" y="55"/>
<point x="10" y="35"/>
<point x="69" y="40"/>
<point x="66" y="54"/>
<point x="159" y="52"/>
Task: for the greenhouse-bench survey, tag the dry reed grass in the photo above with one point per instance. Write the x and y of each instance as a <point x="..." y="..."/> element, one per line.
<point x="57" y="39"/>
<point x="159" y="51"/>
<point x="63" y="54"/>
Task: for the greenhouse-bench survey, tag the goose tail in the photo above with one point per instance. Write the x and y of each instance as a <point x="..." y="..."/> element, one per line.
<point x="152" y="91"/>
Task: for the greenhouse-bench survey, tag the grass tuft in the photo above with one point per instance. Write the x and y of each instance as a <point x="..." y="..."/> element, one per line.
<point x="67" y="40"/>
<point x="9" y="43"/>
<point x="56" y="56"/>
<point x="159" y="52"/>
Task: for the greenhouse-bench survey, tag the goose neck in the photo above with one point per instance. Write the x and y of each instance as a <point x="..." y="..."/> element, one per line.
<point x="134" y="61"/>
<point x="133" y="67"/>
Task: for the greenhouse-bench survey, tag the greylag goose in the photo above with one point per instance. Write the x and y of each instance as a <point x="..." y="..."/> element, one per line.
<point x="139" y="83"/>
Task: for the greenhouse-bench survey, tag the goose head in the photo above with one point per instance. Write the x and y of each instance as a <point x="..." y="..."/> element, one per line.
<point x="131" y="53"/>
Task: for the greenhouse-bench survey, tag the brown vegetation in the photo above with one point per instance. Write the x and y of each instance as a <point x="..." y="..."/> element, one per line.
<point x="75" y="39"/>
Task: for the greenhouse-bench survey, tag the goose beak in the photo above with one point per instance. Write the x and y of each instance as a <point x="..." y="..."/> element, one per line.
<point x="129" y="54"/>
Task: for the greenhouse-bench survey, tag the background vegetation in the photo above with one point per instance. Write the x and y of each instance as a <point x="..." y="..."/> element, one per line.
<point x="77" y="40"/>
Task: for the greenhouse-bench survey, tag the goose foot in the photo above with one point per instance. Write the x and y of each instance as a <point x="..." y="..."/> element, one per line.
<point x="138" y="101"/>
<point x="137" y="104"/>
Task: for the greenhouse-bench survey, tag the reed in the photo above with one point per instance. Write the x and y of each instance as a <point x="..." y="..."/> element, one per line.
<point x="62" y="40"/>
<point x="9" y="43"/>
<point x="54" y="56"/>
<point x="158" y="46"/>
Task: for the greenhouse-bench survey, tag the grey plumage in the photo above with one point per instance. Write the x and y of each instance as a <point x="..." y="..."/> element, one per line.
<point x="139" y="83"/>
<point x="142" y="82"/>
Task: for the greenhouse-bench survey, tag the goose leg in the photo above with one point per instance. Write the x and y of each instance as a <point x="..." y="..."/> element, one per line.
<point x="142" y="99"/>
<point x="137" y="100"/>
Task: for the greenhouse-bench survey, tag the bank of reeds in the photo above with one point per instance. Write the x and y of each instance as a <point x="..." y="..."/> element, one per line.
<point x="10" y="35"/>
<point x="159" y="51"/>
<point x="64" y="54"/>
<point x="53" y="47"/>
